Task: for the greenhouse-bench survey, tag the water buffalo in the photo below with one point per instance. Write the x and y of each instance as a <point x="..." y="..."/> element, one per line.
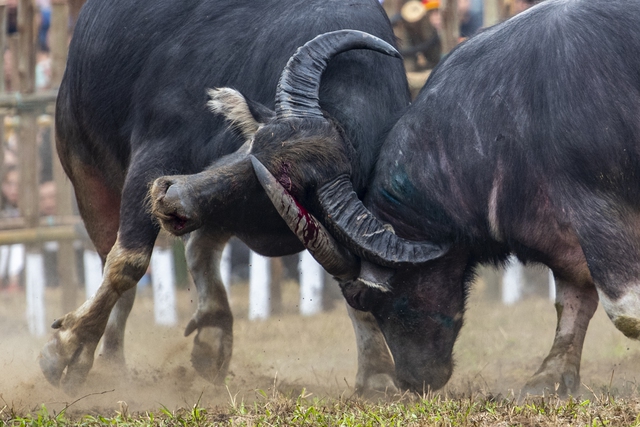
<point x="132" y="107"/>
<point x="525" y="139"/>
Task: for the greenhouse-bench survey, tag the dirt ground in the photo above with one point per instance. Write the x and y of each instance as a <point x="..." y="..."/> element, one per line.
<point x="498" y="349"/>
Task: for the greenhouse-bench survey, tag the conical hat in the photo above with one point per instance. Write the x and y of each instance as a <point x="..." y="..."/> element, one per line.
<point x="431" y="4"/>
<point x="413" y="11"/>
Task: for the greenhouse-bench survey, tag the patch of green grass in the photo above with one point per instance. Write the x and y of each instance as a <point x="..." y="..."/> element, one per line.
<point x="408" y="411"/>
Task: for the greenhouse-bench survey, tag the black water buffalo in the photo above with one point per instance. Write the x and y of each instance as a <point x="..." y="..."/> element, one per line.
<point x="132" y="107"/>
<point x="525" y="139"/>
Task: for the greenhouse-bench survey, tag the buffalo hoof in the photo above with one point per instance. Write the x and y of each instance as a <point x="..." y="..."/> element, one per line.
<point x="212" y="348"/>
<point x="548" y="382"/>
<point x="66" y="350"/>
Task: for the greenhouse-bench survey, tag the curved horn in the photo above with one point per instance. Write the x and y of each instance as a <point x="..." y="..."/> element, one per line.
<point x="355" y="226"/>
<point x="338" y="261"/>
<point x="297" y="93"/>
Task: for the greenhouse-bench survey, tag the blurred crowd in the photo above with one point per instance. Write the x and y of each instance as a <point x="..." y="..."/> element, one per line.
<point x="418" y="25"/>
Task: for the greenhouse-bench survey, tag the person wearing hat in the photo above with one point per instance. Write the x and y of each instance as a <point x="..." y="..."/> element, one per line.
<point x="433" y="13"/>
<point x="421" y="21"/>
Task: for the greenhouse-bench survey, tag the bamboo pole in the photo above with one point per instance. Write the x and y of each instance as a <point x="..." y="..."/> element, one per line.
<point x="3" y="42"/>
<point x="14" y="43"/>
<point x="16" y="223"/>
<point x="3" y="47"/>
<point x="58" y="40"/>
<point x="64" y="201"/>
<point x="28" y="161"/>
<point x="39" y="234"/>
<point x="27" y="46"/>
<point x="27" y="101"/>
<point x="493" y="12"/>
<point x="66" y="252"/>
<point x="450" y="24"/>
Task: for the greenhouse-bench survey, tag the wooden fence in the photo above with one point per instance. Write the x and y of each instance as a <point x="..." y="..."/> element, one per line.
<point x="25" y="104"/>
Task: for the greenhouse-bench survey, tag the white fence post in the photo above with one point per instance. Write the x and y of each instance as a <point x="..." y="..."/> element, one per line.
<point x="311" y="283"/>
<point x="12" y="259"/>
<point x="225" y="268"/>
<point x="34" y="284"/>
<point x="259" y="281"/>
<point x="92" y="272"/>
<point x="164" y="287"/>
<point x="552" y="286"/>
<point x="512" y="281"/>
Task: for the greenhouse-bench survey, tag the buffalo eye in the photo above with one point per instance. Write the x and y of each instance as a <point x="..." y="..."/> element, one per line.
<point x="358" y="295"/>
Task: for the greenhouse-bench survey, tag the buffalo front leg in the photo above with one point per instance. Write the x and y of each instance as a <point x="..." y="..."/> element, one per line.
<point x="376" y="370"/>
<point x="77" y="333"/>
<point x="213" y="321"/>
<point x="560" y="370"/>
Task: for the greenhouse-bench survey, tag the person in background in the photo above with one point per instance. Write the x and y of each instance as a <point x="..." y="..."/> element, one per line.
<point x="433" y="13"/>
<point x="44" y="11"/>
<point x="48" y="198"/>
<point x="43" y="70"/>
<point x="10" y="188"/>
<point x="420" y="44"/>
<point x="12" y="34"/>
<point x="470" y="15"/>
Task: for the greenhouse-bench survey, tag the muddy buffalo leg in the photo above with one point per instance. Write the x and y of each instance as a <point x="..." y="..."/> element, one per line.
<point x="560" y="370"/>
<point x="213" y="321"/>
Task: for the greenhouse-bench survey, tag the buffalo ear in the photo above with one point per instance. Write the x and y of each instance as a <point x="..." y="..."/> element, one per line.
<point x="244" y="115"/>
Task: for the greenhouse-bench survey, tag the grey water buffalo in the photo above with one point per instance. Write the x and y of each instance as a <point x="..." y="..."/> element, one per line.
<point x="525" y="139"/>
<point x="132" y="108"/>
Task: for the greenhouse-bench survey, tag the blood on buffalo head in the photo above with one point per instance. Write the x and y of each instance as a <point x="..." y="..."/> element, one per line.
<point x="302" y="160"/>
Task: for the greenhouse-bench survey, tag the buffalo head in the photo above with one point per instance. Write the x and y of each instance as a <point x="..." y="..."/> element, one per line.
<point x="302" y="159"/>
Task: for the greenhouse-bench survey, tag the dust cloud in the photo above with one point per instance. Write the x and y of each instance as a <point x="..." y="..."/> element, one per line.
<point x="287" y="351"/>
<point x="498" y="349"/>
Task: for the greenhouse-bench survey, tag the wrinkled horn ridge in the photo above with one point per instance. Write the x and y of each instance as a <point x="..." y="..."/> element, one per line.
<point x="334" y="258"/>
<point x="358" y="229"/>
<point x="297" y="92"/>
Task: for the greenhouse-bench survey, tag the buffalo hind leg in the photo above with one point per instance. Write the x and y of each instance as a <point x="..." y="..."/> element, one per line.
<point x="611" y="243"/>
<point x="213" y="321"/>
<point x="560" y="370"/>
<point x="376" y="370"/>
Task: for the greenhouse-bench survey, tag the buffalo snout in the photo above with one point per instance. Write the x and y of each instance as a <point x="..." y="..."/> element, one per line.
<point x="423" y="376"/>
<point x="172" y="204"/>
